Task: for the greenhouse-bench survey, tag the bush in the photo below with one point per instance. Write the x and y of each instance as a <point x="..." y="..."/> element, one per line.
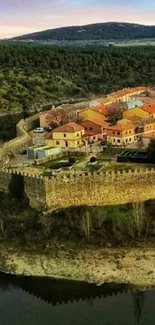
<point x="72" y="160"/>
<point x="92" y="159"/>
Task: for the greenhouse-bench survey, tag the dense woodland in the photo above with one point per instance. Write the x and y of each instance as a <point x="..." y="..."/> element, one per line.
<point x="33" y="75"/>
<point x="101" y="31"/>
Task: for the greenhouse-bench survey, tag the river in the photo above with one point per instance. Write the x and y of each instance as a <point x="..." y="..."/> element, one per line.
<point x="42" y="301"/>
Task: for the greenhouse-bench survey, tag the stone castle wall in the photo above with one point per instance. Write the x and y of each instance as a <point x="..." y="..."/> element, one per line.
<point x="90" y="189"/>
<point x="23" y="139"/>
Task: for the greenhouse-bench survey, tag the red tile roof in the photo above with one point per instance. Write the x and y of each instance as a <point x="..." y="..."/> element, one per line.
<point x="90" y="133"/>
<point x="100" y="109"/>
<point x="121" y="93"/>
<point x="150" y="108"/>
<point x="69" y="127"/>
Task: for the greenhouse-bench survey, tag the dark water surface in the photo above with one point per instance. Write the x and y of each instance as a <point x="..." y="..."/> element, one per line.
<point x="37" y="301"/>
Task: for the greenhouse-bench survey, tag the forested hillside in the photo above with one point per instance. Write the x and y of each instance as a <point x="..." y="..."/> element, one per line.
<point x="34" y="75"/>
<point x="101" y="31"/>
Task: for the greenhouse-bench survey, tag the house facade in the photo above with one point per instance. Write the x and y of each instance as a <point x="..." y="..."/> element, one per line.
<point x="121" y="134"/>
<point x="95" y="130"/>
<point x="68" y="136"/>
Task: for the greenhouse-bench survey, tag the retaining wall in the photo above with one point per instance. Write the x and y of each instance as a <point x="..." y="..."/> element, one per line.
<point x="99" y="188"/>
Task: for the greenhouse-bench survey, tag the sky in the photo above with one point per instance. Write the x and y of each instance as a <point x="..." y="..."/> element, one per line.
<point x="18" y="17"/>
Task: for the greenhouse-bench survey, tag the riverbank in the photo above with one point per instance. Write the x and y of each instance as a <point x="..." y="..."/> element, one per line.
<point x="135" y="266"/>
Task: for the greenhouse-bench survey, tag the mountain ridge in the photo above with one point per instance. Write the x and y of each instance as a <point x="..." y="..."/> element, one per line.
<point x="97" y="31"/>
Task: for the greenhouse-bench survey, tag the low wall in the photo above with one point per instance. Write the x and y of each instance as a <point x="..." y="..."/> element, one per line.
<point x="23" y="139"/>
<point x="90" y="189"/>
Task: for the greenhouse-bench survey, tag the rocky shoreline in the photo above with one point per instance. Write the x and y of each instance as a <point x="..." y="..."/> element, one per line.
<point x="134" y="266"/>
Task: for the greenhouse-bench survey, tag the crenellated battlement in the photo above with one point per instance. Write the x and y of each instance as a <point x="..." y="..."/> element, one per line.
<point x="107" y="173"/>
<point x="87" y="188"/>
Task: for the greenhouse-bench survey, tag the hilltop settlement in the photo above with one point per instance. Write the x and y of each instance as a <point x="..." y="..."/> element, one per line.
<point x="97" y="134"/>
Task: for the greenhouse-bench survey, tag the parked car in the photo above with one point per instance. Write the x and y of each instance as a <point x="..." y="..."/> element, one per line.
<point x="39" y="130"/>
<point x="47" y="128"/>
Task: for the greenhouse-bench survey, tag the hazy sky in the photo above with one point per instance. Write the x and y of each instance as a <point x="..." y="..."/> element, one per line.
<point x="19" y="17"/>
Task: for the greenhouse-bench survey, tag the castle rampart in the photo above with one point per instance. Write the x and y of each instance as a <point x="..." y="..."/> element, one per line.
<point x="98" y="188"/>
<point x="23" y="139"/>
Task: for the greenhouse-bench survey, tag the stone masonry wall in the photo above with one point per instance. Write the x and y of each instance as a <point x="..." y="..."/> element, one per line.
<point x="90" y="189"/>
<point x="100" y="188"/>
<point x="23" y="139"/>
<point x="34" y="187"/>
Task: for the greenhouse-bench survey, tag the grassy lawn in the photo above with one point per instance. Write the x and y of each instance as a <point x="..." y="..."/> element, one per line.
<point x="95" y="166"/>
<point x="58" y="163"/>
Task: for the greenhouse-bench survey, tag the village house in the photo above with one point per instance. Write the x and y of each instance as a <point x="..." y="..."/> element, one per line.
<point x="121" y="134"/>
<point x="95" y="112"/>
<point x="136" y="111"/>
<point x="144" y="127"/>
<point x="121" y="96"/>
<point x="150" y="108"/>
<point x="95" y="130"/>
<point x="126" y="94"/>
<point x="69" y="136"/>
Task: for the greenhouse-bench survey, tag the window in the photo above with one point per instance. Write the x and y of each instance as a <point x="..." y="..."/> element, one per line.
<point x="130" y="139"/>
<point x="94" y="138"/>
<point x="114" y="140"/>
<point x="118" y="140"/>
<point x="118" y="133"/>
<point x="85" y="128"/>
<point x="126" y="132"/>
<point x="78" y="143"/>
<point x="57" y="142"/>
<point x="90" y="129"/>
<point x="113" y="132"/>
<point x="129" y="132"/>
<point x="126" y="140"/>
<point x="77" y="134"/>
<point x="64" y="135"/>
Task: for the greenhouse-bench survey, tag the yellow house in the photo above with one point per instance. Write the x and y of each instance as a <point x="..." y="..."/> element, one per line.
<point x="89" y="113"/>
<point x="69" y="135"/>
<point x="136" y="111"/>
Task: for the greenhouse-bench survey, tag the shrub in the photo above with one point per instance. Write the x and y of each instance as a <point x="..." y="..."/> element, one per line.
<point x="92" y="159"/>
<point x="72" y="160"/>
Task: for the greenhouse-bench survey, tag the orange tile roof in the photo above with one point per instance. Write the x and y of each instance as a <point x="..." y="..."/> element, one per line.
<point x="122" y="127"/>
<point x="96" y="121"/>
<point x="90" y="133"/>
<point x="123" y="92"/>
<point x="134" y="118"/>
<point x="150" y="108"/>
<point x="69" y="127"/>
<point x="100" y="109"/>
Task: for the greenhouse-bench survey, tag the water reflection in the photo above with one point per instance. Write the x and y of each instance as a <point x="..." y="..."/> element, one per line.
<point x="59" y="292"/>
<point x="70" y="302"/>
